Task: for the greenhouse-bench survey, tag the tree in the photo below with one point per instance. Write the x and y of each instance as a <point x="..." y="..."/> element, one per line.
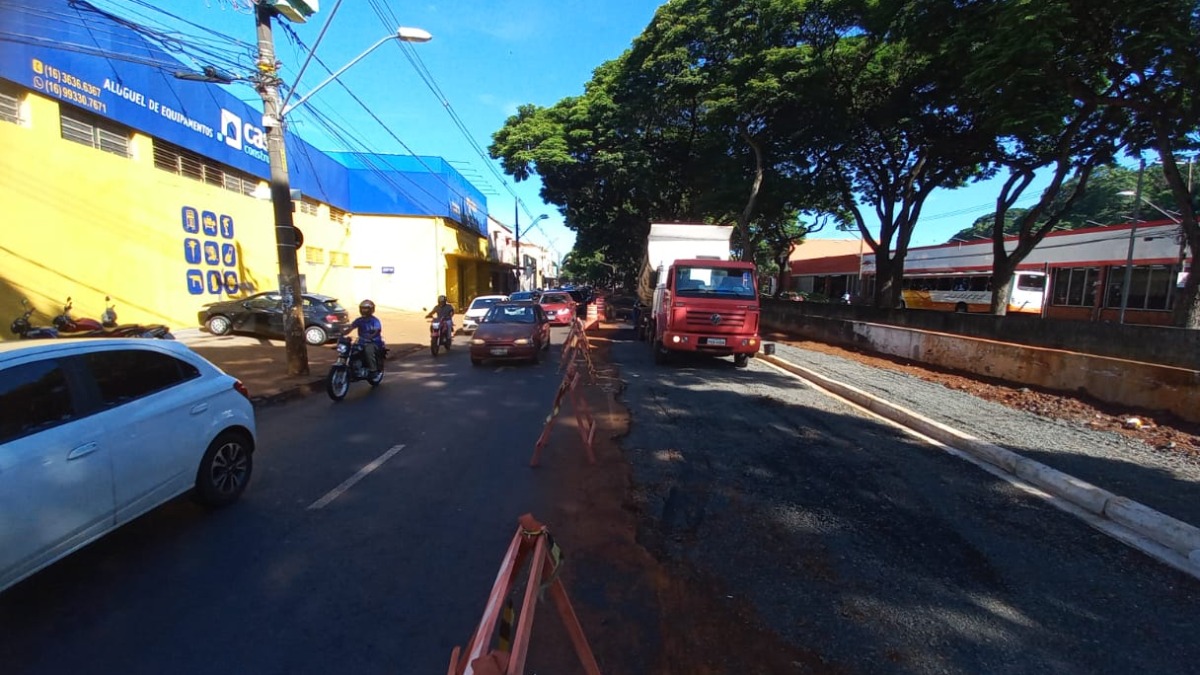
<point x="1102" y="204"/>
<point x="1150" y="52"/>
<point x="903" y="133"/>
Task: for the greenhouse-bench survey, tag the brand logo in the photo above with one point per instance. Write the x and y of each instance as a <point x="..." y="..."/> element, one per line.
<point x="231" y="129"/>
<point x="242" y="136"/>
<point x="714" y="319"/>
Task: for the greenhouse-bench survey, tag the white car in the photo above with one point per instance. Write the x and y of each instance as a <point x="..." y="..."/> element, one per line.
<point x="96" y="432"/>
<point x="479" y="307"/>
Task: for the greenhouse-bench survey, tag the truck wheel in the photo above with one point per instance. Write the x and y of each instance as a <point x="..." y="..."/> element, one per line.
<point x="741" y="360"/>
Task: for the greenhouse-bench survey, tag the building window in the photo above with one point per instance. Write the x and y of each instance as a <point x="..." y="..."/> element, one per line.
<point x="339" y="259"/>
<point x="1150" y="287"/>
<point x="309" y="206"/>
<point x="1075" y="287"/>
<point x="10" y="103"/>
<point x="97" y="132"/>
<point x="183" y="162"/>
<point x="337" y="215"/>
<point x="313" y="255"/>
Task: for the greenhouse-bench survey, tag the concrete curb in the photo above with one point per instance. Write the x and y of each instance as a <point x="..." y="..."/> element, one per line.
<point x="1176" y="535"/>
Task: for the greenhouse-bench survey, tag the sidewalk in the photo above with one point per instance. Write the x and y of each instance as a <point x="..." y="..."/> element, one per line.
<point x="261" y="363"/>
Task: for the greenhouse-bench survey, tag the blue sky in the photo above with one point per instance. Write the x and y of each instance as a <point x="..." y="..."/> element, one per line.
<point x="486" y="58"/>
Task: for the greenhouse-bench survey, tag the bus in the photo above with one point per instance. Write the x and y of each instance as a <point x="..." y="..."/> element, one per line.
<point x="970" y="291"/>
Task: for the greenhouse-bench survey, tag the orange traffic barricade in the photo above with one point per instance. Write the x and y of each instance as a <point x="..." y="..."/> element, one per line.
<point x="575" y="344"/>
<point x="533" y="544"/>
<point x="569" y="388"/>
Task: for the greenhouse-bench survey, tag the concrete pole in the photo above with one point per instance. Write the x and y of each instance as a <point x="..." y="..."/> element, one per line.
<point x="281" y="197"/>
<point x="1137" y="210"/>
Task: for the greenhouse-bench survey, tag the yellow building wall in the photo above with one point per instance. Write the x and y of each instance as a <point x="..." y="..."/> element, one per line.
<point x="406" y="262"/>
<point x="79" y="222"/>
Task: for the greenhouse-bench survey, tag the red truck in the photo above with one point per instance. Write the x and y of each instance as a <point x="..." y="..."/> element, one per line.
<point x="700" y="301"/>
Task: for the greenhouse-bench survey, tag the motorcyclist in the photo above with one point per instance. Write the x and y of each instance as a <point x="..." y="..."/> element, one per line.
<point x="444" y="312"/>
<point x="370" y="334"/>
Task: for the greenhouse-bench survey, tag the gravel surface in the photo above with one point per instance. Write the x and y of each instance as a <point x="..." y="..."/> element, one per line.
<point x="869" y="551"/>
<point x="1163" y="480"/>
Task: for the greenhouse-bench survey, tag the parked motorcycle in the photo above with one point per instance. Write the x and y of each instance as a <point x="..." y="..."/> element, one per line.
<point x="24" y="330"/>
<point x="441" y="334"/>
<point x="351" y="366"/>
<point x="65" y="323"/>
<point x="69" y="326"/>
<point x="109" y="321"/>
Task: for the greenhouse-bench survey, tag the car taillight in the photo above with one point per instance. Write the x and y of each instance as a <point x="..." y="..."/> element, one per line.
<point x="241" y="389"/>
<point x="332" y="318"/>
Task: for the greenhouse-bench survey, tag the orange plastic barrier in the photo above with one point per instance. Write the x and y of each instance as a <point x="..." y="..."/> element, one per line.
<point x="575" y="344"/>
<point x="509" y="659"/>
<point x="583" y="416"/>
<point x="593" y="315"/>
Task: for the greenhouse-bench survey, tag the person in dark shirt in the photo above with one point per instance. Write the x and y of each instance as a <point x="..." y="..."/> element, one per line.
<point x="444" y="310"/>
<point x="370" y="334"/>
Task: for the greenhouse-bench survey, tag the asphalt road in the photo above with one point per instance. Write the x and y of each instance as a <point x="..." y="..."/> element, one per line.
<point x="386" y="578"/>
<point x="863" y="549"/>
<point x="874" y="551"/>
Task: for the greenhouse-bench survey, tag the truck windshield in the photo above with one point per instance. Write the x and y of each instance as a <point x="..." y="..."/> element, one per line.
<point x="708" y="282"/>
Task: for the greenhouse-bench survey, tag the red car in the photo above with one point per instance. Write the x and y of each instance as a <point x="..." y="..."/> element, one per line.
<point x="511" y="330"/>
<point x="559" y="307"/>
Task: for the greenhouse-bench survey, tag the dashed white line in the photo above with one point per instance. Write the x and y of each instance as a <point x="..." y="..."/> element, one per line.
<point x="349" y="482"/>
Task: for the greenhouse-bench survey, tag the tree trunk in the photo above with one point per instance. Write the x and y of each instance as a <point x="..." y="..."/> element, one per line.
<point x="1002" y="281"/>
<point x="889" y="275"/>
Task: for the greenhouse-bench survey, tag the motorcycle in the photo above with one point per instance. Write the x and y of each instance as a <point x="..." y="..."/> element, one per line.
<point x="109" y="321"/>
<point x="22" y="328"/>
<point x="351" y="366"/>
<point x="441" y="334"/>
<point x="65" y="323"/>
<point x="69" y="326"/>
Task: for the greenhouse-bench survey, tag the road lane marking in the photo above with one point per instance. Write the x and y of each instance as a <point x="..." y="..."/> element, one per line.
<point x="349" y="482"/>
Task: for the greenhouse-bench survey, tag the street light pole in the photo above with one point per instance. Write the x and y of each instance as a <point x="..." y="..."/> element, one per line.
<point x="1137" y="209"/>
<point x="517" y="231"/>
<point x="267" y="85"/>
<point x="281" y="197"/>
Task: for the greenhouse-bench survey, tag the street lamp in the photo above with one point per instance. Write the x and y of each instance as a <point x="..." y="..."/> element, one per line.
<point x="281" y="194"/>
<point x="1130" y="193"/>
<point x="403" y="34"/>
<point x="1137" y="209"/>
<point x="517" y="230"/>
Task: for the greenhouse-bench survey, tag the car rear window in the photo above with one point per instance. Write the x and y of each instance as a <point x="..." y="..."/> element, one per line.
<point x="479" y="303"/>
<point x="327" y="305"/>
<point x="33" y="397"/>
<point x="556" y="299"/>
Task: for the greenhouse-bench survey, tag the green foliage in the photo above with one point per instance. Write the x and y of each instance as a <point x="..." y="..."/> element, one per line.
<point x="757" y="111"/>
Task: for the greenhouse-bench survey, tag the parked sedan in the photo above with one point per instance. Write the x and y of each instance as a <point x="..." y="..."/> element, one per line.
<point x="94" y="432"/>
<point x="559" y="307"/>
<point x="511" y="330"/>
<point x="262" y="314"/>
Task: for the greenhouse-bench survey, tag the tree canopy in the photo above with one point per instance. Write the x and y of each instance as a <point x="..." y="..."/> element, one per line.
<point x="775" y="115"/>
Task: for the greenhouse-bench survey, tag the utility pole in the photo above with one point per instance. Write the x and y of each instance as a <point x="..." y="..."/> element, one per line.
<point x="517" y="230"/>
<point x="281" y="196"/>
<point x="1137" y="212"/>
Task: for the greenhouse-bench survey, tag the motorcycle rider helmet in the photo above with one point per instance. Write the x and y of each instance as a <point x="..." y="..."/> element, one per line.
<point x="366" y="308"/>
<point x="441" y="299"/>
